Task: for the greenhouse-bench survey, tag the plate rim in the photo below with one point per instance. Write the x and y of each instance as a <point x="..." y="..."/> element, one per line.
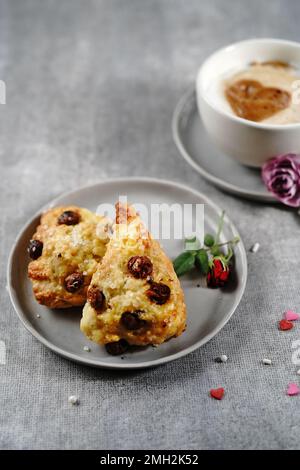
<point x="229" y="187"/>
<point x="141" y="365"/>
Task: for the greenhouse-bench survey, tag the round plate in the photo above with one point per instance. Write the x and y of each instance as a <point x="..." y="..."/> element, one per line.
<point x="194" y="145"/>
<point x="208" y="309"/>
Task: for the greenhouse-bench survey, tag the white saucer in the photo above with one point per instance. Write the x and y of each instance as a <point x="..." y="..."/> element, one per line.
<point x="196" y="148"/>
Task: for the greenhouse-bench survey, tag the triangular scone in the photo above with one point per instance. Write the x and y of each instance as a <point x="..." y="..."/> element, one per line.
<point x="135" y="295"/>
<point x="66" y="249"/>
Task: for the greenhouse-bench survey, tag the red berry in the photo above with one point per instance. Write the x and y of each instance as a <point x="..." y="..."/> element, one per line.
<point x="217" y="393"/>
<point x="285" y="325"/>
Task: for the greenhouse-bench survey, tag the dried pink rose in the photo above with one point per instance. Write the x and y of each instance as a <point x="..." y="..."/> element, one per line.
<point x="281" y="176"/>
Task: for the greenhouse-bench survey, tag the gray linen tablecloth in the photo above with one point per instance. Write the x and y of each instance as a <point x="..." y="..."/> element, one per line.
<point x="91" y="86"/>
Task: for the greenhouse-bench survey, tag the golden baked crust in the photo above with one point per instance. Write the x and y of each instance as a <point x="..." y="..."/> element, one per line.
<point x="67" y="249"/>
<point x="123" y="292"/>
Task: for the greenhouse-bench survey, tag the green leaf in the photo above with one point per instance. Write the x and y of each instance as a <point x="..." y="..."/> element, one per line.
<point x="209" y="240"/>
<point x="184" y="262"/>
<point x="202" y="261"/>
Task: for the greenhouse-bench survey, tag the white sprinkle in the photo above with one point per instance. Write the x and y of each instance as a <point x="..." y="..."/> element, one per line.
<point x="86" y="348"/>
<point x="222" y="358"/>
<point x="298" y="372"/>
<point x="84" y="273"/>
<point x="38" y="316"/>
<point x="267" y="362"/>
<point x="254" y="248"/>
<point x="73" y="400"/>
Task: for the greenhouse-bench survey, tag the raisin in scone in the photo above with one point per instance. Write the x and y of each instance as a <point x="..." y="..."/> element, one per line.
<point x="135" y="296"/>
<point x="65" y="251"/>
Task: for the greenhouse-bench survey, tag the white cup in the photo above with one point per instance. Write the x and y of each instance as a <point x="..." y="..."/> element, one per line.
<point x="251" y="143"/>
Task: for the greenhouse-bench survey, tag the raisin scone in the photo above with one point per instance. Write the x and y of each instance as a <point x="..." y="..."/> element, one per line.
<point x="65" y="250"/>
<point x="135" y="297"/>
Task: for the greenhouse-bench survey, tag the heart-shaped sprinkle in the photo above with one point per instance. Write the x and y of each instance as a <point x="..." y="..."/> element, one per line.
<point x="290" y="315"/>
<point x="285" y="325"/>
<point x="217" y="393"/>
<point x="293" y="390"/>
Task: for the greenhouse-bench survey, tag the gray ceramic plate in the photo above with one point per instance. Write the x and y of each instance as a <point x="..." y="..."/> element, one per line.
<point x="194" y="145"/>
<point x="208" y="310"/>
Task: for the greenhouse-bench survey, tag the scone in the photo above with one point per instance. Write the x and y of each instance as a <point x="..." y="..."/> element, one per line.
<point x="135" y="297"/>
<point x="66" y="249"/>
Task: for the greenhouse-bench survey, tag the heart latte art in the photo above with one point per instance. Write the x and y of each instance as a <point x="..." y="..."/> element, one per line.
<point x="263" y="92"/>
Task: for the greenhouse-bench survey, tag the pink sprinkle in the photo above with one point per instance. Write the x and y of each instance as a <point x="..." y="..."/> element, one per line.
<point x="293" y="390"/>
<point x="291" y="316"/>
